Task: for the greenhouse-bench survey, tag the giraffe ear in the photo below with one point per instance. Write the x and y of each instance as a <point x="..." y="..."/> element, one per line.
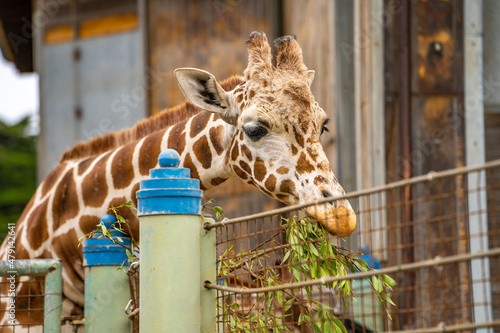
<point x="203" y="91"/>
<point x="310" y="76"/>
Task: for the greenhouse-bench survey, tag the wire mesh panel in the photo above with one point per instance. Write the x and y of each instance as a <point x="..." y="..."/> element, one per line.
<point x="434" y="241"/>
<point x="31" y="294"/>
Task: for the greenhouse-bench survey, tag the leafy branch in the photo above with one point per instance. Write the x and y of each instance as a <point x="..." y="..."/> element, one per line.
<point x="308" y="255"/>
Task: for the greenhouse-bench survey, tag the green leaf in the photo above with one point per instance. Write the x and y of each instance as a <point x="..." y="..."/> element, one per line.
<point x="386" y="298"/>
<point x="125" y="204"/>
<point x="104" y="229"/>
<point x="377" y="285"/>
<point x="388" y="280"/>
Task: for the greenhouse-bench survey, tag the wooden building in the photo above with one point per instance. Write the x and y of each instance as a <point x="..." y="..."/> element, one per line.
<point x="412" y="86"/>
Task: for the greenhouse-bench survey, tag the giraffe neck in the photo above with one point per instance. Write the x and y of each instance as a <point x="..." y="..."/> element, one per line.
<point x="203" y="144"/>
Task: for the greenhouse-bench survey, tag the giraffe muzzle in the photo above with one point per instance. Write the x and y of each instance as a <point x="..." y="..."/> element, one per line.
<point x="338" y="221"/>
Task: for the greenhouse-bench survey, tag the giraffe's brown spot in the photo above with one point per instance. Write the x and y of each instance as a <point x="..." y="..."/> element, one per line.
<point x="199" y="123"/>
<point x="298" y="137"/>
<point x="251" y="94"/>
<point x="38" y="232"/>
<point x="313" y="153"/>
<point x="246" y="152"/>
<point x="217" y="181"/>
<point x="202" y="152"/>
<point x="188" y="163"/>
<point x="270" y="99"/>
<point x="285" y="126"/>
<point x="244" y="165"/>
<point x="313" y="138"/>
<point x="303" y="164"/>
<point x="319" y="180"/>
<point x="263" y="189"/>
<point x="282" y="170"/>
<point x="240" y="172"/>
<point x="94" y="186"/>
<point x="239" y="98"/>
<point x="259" y="169"/>
<point x="84" y="165"/>
<point x="52" y="178"/>
<point x="283" y="197"/>
<point x="235" y="152"/>
<point x="216" y="138"/>
<point x="65" y="205"/>
<point x="294" y="150"/>
<point x="150" y="149"/>
<point x="241" y="136"/>
<point x="325" y="166"/>
<point x="66" y="248"/>
<point x="122" y="169"/>
<point x="287" y="186"/>
<point x="270" y="183"/>
<point x="133" y="193"/>
<point x="26" y="210"/>
<point x="88" y="223"/>
<point x="177" y="138"/>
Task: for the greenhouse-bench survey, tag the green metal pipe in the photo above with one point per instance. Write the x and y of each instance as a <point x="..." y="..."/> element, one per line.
<point x="106" y="296"/>
<point x="52" y="269"/>
<point x="170" y="273"/>
<point x="106" y="288"/>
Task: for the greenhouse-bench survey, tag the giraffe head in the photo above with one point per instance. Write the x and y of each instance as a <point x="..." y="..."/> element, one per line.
<point x="273" y="128"/>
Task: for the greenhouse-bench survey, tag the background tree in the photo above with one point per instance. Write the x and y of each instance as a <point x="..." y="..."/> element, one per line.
<point x="17" y="171"/>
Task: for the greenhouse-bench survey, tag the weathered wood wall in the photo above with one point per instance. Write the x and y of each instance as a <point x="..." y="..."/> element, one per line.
<point x="425" y="132"/>
<point x="209" y="35"/>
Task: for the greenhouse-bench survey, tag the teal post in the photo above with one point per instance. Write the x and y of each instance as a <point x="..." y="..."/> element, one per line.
<point x="171" y="292"/>
<point x="106" y="288"/>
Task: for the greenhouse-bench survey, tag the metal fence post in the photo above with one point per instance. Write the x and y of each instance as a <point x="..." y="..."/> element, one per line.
<point x="106" y="288"/>
<point x="169" y="206"/>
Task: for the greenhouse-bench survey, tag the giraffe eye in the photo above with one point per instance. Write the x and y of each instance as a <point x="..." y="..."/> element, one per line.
<point x="256" y="132"/>
<point x="325" y="128"/>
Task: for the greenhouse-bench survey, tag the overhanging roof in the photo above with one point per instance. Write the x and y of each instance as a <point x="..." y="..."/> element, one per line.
<point x="16" y="33"/>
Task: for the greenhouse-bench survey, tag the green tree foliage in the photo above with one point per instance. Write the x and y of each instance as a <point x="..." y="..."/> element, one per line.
<point x="17" y="171"/>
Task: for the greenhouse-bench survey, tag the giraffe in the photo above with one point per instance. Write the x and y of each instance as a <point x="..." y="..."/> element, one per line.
<point x="263" y="127"/>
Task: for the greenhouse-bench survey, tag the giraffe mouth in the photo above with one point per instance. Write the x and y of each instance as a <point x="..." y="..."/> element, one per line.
<point x="338" y="221"/>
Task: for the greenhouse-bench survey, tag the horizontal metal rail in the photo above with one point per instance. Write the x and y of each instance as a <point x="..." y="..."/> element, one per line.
<point x="451" y="328"/>
<point x="52" y="269"/>
<point x="394" y="269"/>
<point x="431" y="176"/>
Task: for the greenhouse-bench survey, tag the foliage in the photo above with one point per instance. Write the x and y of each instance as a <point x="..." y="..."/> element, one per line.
<point x="116" y="231"/>
<point x="17" y="171"/>
<point x="310" y="255"/>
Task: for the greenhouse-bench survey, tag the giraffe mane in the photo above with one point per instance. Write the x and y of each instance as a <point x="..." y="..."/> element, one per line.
<point x="162" y="120"/>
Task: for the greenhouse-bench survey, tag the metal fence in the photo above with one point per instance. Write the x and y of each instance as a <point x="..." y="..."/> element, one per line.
<point x="41" y="305"/>
<point x="437" y="236"/>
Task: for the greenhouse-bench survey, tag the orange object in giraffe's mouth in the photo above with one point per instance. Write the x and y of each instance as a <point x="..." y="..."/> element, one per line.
<point x="338" y="221"/>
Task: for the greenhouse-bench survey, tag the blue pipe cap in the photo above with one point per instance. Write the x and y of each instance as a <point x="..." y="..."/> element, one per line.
<point x="103" y="251"/>
<point x="170" y="189"/>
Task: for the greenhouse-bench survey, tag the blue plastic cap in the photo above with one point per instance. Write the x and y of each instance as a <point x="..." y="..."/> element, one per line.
<point x="108" y="220"/>
<point x="103" y="251"/>
<point x="169" y="158"/>
<point x="170" y="190"/>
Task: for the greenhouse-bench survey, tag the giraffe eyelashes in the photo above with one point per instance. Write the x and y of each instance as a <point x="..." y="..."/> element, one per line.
<point x="255" y="132"/>
<point x="325" y="128"/>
